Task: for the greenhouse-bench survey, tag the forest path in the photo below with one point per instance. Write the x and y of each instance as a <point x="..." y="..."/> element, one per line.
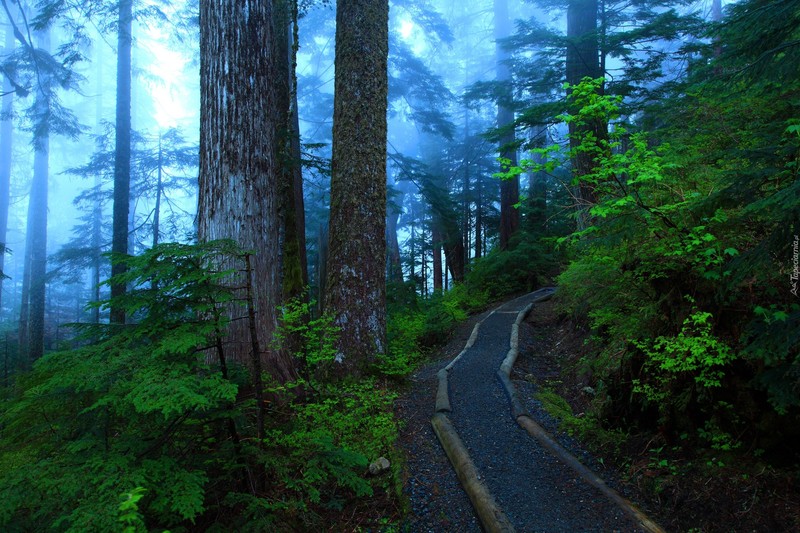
<point x="533" y="489"/>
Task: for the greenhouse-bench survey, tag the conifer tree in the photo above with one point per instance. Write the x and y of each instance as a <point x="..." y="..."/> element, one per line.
<point x="6" y="136"/>
<point x="36" y="256"/>
<point x="509" y="189"/>
<point x="122" y="159"/>
<point x="240" y="149"/>
<point x="583" y="60"/>
<point x="356" y="285"/>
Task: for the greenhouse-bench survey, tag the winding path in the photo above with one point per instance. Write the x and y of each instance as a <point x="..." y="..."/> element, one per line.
<point x="516" y="482"/>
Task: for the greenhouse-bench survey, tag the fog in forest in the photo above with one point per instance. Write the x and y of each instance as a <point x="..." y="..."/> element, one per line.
<point x="444" y="58"/>
<point x="219" y="284"/>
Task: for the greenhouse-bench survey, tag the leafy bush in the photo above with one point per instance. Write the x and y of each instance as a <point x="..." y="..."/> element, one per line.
<point x="693" y="355"/>
<point x="123" y="410"/>
<point x="522" y="268"/>
<point x="139" y="405"/>
<point x="675" y="276"/>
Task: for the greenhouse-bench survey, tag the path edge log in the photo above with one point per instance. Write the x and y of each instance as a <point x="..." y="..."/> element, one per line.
<point x="489" y="513"/>
<point x="525" y="421"/>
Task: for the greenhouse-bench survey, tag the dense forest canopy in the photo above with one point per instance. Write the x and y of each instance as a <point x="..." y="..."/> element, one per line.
<point x="231" y="230"/>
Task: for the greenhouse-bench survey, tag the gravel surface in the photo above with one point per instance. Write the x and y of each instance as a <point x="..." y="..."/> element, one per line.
<point x="535" y="490"/>
<point x="436" y="501"/>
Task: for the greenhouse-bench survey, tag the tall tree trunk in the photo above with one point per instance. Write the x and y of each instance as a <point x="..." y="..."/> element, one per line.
<point x="716" y="16"/>
<point x="394" y="267"/>
<point x="25" y="293"/>
<point x="454" y="254"/>
<point x="122" y="151"/>
<point x="466" y="215"/>
<point x="295" y="269"/>
<point x="159" y="188"/>
<point x="239" y="189"/>
<point x="97" y="209"/>
<point x="37" y="217"/>
<point x="97" y="242"/>
<point x="436" y="241"/>
<point x="38" y="257"/>
<point x="322" y="265"/>
<point x="479" y="217"/>
<point x="356" y="289"/>
<point x="716" y="10"/>
<point x="537" y="194"/>
<point x="6" y="135"/>
<point x="583" y="59"/>
<point x="412" y="254"/>
<point x="424" y="257"/>
<point x="509" y="189"/>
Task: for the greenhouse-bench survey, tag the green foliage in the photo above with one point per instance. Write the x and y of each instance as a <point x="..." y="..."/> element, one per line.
<point x="693" y="353"/>
<point x="405" y="330"/>
<point x="311" y="339"/>
<point x="524" y="267"/>
<point x="139" y="405"/>
<point x="417" y="324"/>
<point x="317" y="458"/>
<point x="772" y="338"/>
<point x="129" y="514"/>
<point x="124" y="409"/>
<point x="587" y="427"/>
<point x="685" y="236"/>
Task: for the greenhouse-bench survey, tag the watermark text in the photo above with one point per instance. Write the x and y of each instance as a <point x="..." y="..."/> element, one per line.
<point x="795" y="275"/>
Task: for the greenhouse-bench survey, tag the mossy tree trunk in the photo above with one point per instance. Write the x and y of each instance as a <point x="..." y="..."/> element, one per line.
<point x="356" y="286"/>
<point x="394" y="267"/>
<point x="293" y="242"/>
<point x="436" y="242"/>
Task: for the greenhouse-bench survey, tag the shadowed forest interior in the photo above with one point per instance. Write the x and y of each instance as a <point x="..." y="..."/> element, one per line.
<point x="232" y="232"/>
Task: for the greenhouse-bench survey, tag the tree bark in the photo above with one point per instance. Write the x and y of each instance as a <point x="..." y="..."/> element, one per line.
<point x="6" y="136"/>
<point x="394" y="266"/>
<point x="159" y="188"/>
<point x="25" y="295"/>
<point x="122" y="150"/>
<point x="240" y="172"/>
<point x="295" y="270"/>
<point x="356" y="288"/>
<point x="446" y="229"/>
<point x="537" y="203"/>
<point x="478" y="217"/>
<point x="37" y="218"/>
<point x="583" y="59"/>
<point x="436" y="241"/>
<point x="509" y="189"/>
<point x="38" y="256"/>
<point x="322" y="265"/>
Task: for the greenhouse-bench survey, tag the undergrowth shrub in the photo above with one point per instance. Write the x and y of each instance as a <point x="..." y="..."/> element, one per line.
<point x="138" y="410"/>
<point x="524" y="267"/>
<point x="586" y="427"/>
<point x="683" y="367"/>
<point x="318" y="457"/>
<point x="417" y="323"/>
<point x="682" y="285"/>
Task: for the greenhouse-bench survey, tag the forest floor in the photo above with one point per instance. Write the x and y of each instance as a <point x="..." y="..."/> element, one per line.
<point x="722" y="498"/>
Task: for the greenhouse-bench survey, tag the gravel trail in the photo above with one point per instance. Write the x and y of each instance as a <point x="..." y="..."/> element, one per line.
<point x="534" y="489"/>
